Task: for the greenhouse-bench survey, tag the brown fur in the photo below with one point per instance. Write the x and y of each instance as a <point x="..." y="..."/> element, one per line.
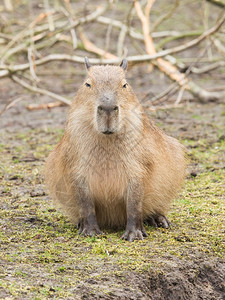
<point x="137" y="152"/>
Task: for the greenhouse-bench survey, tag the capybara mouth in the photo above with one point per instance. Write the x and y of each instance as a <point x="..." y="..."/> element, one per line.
<point x="108" y="132"/>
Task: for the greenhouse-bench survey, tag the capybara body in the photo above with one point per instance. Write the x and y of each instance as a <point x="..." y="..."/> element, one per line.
<point x="113" y="168"/>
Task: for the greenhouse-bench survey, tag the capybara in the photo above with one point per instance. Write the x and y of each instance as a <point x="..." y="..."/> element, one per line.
<point x="113" y="168"/>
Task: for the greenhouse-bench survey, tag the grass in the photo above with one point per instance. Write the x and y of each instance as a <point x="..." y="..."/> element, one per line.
<point x="42" y="252"/>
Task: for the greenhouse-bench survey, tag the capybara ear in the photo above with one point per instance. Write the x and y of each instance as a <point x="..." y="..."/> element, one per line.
<point x="124" y="64"/>
<point x="87" y="64"/>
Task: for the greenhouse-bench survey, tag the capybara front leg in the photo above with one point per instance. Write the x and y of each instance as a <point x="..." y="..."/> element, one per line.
<point x="134" y="228"/>
<point x="87" y="225"/>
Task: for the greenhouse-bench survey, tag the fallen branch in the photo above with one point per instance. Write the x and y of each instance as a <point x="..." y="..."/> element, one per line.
<point x="45" y="105"/>
<point x="163" y="65"/>
<point x="166" y="66"/>
<point x="89" y="46"/>
<point x="202" y="94"/>
<point x="165" y="106"/>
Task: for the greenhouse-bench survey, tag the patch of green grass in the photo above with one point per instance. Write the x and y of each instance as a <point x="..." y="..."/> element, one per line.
<point x="198" y="117"/>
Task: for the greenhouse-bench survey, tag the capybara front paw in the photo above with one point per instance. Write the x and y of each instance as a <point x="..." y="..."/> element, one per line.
<point x="89" y="230"/>
<point x="132" y="234"/>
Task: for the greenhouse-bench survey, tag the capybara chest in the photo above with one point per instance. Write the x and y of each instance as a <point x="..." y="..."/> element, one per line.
<point x="107" y="180"/>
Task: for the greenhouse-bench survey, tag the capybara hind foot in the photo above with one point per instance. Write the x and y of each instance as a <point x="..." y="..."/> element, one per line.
<point x="158" y="221"/>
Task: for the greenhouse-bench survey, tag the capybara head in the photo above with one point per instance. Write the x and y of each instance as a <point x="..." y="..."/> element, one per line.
<point x="108" y="94"/>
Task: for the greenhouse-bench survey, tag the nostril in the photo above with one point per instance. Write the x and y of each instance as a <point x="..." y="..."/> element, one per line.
<point x="107" y="108"/>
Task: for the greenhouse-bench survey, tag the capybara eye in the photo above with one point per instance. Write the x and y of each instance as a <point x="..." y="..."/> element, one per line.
<point x="115" y="108"/>
<point x="125" y="85"/>
<point x="88" y="84"/>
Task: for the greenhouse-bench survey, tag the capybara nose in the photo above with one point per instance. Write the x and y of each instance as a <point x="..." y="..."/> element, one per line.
<point x="107" y="108"/>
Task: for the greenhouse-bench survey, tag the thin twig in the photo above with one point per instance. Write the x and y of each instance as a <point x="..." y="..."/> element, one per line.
<point x="217" y="88"/>
<point x="89" y="18"/>
<point x="181" y="35"/>
<point x="180" y="95"/>
<point x="123" y="32"/>
<point x="6" y="36"/>
<point x="11" y="104"/>
<point x="32" y="65"/>
<point x="120" y="41"/>
<point x="166" y="16"/>
<point x="208" y="68"/>
<point x="72" y="31"/>
<point x="109" y="30"/>
<point x="220" y="47"/>
<point x="40" y="91"/>
<point x="49" y="16"/>
<point x="8" y="5"/>
<point x="206" y="25"/>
